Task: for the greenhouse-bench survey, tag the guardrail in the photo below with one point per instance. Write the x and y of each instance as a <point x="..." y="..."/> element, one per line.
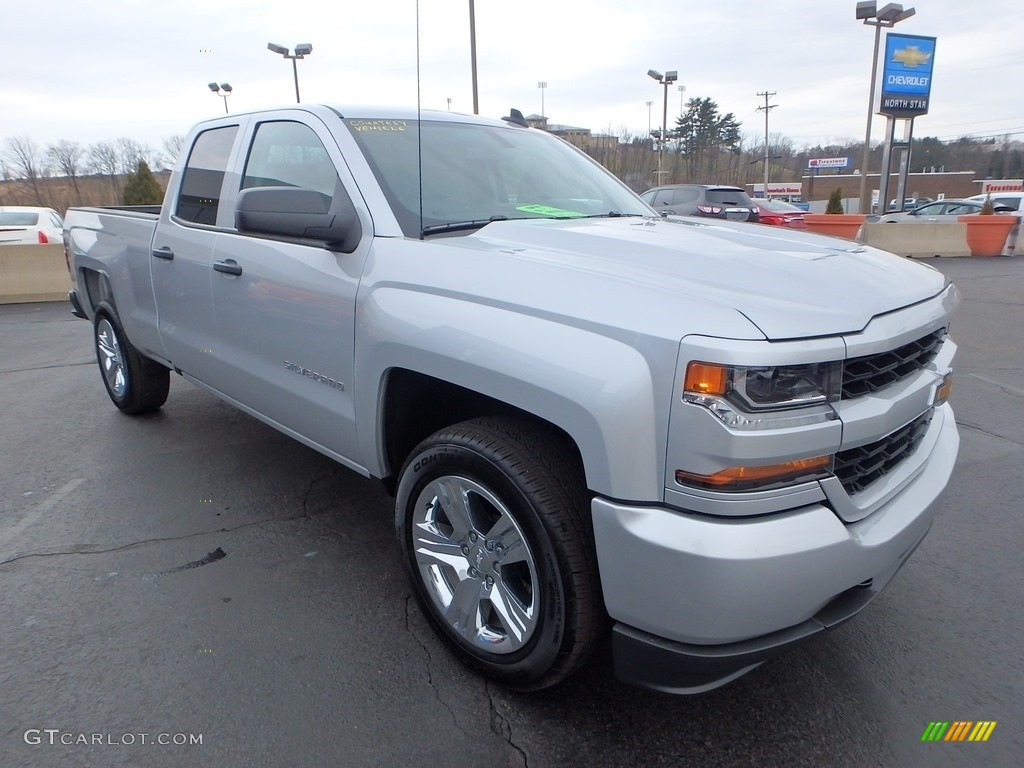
<point x="33" y="273"/>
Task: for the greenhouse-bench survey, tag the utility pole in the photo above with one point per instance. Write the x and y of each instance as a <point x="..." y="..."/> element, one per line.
<point x="766" y="109"/>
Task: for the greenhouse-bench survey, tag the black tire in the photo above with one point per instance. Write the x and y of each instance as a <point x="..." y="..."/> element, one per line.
<point x="135" y="384"/>
<point x="520" y="568"/>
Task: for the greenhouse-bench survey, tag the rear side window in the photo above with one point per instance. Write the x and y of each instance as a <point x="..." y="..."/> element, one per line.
<point x="18" y="219"/>
<point x="685" y="195"/>
<point x="289" y="154"/>
<point x="203" y="178"/>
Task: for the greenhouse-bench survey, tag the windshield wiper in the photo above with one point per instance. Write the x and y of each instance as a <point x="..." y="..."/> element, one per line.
<point x="609" y="215"/>
<point x="457" y="226"/>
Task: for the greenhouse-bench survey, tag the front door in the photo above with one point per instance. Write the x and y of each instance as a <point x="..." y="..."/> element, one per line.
<point x="285" y="309"/>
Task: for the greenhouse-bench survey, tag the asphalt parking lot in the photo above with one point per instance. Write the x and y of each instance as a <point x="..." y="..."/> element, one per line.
<point x="196" y="576"/>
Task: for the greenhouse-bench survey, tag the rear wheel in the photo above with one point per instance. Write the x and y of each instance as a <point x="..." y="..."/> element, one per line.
<point x="135" y="384"/>
<point x="490" y="519"/>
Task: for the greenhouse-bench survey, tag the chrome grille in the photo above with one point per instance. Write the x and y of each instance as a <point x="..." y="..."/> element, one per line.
<point x="867" y="374"/>
<point x="857" y="468"/>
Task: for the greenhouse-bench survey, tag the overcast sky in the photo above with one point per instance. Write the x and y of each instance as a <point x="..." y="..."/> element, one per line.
<point x="90" y="70"/>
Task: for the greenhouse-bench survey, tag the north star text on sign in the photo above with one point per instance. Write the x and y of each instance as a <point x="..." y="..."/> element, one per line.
<point x="904" y="104"/>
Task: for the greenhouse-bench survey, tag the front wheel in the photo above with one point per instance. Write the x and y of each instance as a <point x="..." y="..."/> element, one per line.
<point x="490" y="519"/>
<point x="135" y="384"/>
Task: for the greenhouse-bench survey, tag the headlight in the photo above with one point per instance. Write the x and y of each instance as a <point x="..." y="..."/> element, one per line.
<point x="739" y="395"/>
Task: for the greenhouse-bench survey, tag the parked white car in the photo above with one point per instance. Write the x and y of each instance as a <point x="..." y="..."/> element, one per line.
<point x="23" y="225"/>
<point x="1012" y="200"/>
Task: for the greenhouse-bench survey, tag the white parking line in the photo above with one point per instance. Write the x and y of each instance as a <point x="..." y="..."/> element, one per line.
<point x="56" y="498"/>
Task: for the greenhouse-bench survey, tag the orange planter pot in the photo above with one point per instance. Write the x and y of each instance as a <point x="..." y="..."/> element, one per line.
<point x="844" y="225"/>
<point x="986" y="235"/>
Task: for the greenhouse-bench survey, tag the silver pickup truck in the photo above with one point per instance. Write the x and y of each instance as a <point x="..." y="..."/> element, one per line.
<point x="711" y="441"/>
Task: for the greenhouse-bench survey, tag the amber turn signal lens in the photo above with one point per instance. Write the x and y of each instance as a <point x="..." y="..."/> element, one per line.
<point x="735" y="478"/>
<point x="944" y="390"/>
<point x="706" y="379"/>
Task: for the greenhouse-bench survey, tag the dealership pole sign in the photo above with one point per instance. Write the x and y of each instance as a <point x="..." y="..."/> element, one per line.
<point x="907" y="75"/>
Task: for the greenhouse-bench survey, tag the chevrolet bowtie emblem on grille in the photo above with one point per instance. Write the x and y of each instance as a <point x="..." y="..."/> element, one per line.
<point x="911" y="57"/>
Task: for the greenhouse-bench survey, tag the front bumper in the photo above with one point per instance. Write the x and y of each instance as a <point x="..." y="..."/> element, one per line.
<point x="700" y="600"/>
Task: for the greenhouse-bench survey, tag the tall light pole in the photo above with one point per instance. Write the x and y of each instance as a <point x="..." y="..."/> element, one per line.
<point x="543" y="87"/>
<point x="887" y="16"/>
<point x="682" y="93"/>
<point x="302" y="50"/>
<point x="649" y="105"/>
<point x="227" y="92"/>
<point x="767" y="108"/>
<point x="669" y="77"/>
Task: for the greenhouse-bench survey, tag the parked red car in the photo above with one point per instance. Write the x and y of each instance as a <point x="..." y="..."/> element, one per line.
<point x="780" y="214"/>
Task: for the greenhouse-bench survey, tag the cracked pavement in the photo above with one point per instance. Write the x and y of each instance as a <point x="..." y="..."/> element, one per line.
<point x="301" y="645"/>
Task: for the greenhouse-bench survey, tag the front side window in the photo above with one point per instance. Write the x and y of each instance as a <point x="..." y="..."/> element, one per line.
<point x="289" y="154"/>
<point x="203" y="177"/>
<point x="479" y="173"/>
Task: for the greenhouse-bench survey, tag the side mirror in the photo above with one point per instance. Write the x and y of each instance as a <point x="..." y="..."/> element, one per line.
<point x="300" y="213"/>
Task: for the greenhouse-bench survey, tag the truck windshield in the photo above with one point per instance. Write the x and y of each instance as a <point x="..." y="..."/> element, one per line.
<point x="474" y="174"/>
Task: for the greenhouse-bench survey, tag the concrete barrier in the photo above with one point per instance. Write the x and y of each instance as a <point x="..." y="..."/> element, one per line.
<point x="918" y="240"/>
<point x="33" y="273"/>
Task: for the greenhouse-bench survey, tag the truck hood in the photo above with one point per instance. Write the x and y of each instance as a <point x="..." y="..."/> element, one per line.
<point x="788" y="284"/>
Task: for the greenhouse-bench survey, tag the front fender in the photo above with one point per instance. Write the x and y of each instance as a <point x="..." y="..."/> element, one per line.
<point x="600" y="390"/>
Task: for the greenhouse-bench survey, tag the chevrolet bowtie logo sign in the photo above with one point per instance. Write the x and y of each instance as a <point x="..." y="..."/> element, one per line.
<point x="911" y="57"/>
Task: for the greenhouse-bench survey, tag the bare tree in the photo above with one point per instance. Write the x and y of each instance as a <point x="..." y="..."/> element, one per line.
<point x="104" y="160"/>
<point x="130" y="154"/>
<point x="172" y="146"/>
<point x="67" y="157"/>
<point x="25" y="161"/>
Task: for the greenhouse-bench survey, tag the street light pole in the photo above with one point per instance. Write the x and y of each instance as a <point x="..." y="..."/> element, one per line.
<point x="888" y="16"/>
<point x="649" y="105"/>
<point x="669" y="77"/>
<point x="302" y="50"/>
<point x="543" y="87"/>
<point x="227" y="92"/>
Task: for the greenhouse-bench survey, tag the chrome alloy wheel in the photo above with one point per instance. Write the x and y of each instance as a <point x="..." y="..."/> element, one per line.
<point x="111" y="358"/>
<point x="476" y="565"/>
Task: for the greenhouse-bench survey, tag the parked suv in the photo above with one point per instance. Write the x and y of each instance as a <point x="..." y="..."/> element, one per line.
<point x="702" y="200"/>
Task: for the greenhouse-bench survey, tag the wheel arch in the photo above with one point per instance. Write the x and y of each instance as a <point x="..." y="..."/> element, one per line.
<point x="415" y="405"/>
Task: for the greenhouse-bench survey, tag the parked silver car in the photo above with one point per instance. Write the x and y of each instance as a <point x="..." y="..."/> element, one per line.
<point x="940" y="210"/>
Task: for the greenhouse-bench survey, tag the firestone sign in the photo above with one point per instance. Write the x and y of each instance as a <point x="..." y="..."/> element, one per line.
<point x="907" y="75"/>
<point x="828" y="162"/>
<point x="989" y="186"/>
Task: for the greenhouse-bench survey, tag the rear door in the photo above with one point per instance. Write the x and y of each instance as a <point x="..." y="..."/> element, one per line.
<point x="285" y="308"/>
<point x="182" y="254"/>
